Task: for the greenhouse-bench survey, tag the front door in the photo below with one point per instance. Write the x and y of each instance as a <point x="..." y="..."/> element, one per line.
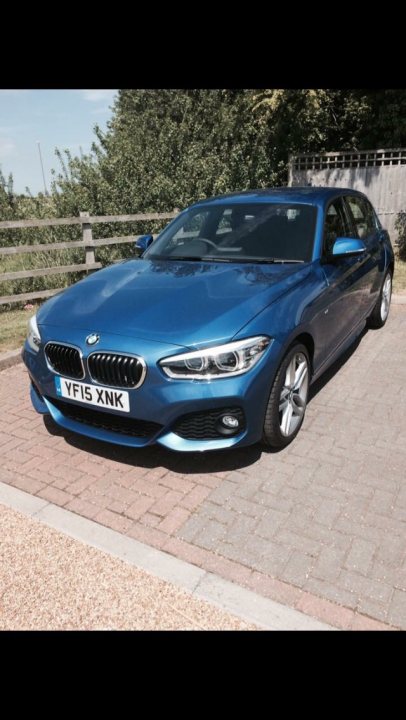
<point x="367" y="229"/>
<point x="343" y="299"/>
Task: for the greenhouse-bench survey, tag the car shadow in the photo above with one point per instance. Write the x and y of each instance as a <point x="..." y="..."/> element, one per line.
<point x="320" y="383"/>
<point x="156" y="456"/>
<point x="190" y="463"/>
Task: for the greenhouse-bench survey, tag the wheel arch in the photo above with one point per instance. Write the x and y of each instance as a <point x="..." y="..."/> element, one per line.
<point x="306" y="339"/>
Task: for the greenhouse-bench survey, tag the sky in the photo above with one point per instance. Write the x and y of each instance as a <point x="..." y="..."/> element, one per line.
<point x="55" y="118"/>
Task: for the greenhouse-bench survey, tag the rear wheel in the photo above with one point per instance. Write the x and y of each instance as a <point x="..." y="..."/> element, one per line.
<point x="380" y="313"/>
<point x="288" y="398"/>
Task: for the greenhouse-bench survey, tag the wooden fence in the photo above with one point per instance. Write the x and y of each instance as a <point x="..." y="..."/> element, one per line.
<point x="380" y="174"/>
<point x="88" y="243"/>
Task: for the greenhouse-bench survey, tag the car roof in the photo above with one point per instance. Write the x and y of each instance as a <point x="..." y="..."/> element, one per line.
<point x="309" y="195"/>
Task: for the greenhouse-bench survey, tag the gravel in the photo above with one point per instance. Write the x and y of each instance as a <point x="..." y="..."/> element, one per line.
<point x="49" y="581"/>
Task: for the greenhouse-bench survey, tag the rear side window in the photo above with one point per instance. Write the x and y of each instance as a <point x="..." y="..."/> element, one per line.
<point x="362" y="215"/>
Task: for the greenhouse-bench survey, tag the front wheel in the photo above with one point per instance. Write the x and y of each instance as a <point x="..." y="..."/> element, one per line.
<point x="380" y="313"/>
<point x="288" y="398"/>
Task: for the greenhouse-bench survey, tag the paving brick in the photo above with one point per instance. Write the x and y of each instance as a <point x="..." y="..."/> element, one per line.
<point x="360" y="556"/>
<point x="150" y="519"/>
<point x="149" y="535"/>
<point x="249" y="488"/>
<point x="40" y="449"/>
<point x="298" y="542"/>
<point x="228" y="569"/>
<point x="166" y="503"/>
<point x="141" y="485"/>
<point x="391" y="551"/>
<point x="91" y="468"/>
<point x="240" y="530"/>
<point x="113" y="520"/>
<point x="117" y="506"/>
<point x="223" y="493"/>
<point x="123" y="494"/>
<point x="177" y="482"/>
<point x="365" y="587"/>
<point x="196" y="496"/>
<point x="246" y="507"/>
<point x="298" y="568"/>
<point x="174" y="520"/>
<point x="275" y="589"/>
<point x="326" y="611"/>
<point x="267" y="556"/>
<point x="193" y="526"/>
<point x="211" y="536"/>
<point x="347" y="526"/>
<point x="329" y="564"/>
<point x="275" y="502"/>
<point x="361" y="622"/>
<point x="397" y="609"/>
<point x="140" y="506"/>
<point x="216" y="512"/>
<point x="81" y="483"/>
<point x="373" y="609"/>
<point x="270" y="522"/>
<point x="82" y="507"/>
<point x="24" y="483"/>
<point x="382" y="501"/>
<point x="332" y="592"/>
<point x="327" y="512"/>
<point x="16" y="458"/>
<point x="53" y="495"/>
<point x="186" y="551"/>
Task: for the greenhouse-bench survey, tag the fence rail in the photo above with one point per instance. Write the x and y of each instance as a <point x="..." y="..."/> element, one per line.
<point x="91" y="219"/>
<point x="88" y="243"/>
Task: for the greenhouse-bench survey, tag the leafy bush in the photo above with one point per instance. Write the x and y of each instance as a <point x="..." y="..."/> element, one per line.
<point x="400" y="226"/>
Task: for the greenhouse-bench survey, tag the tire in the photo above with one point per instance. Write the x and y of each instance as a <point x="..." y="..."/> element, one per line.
<point x="379" y="315"/>
<point x="279" y="430"/>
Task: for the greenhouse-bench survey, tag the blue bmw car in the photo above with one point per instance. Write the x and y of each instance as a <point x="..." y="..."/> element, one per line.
<point x="211" y="338"/>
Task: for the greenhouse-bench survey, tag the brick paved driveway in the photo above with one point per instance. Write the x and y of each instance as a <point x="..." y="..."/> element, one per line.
<point x="320" y="526"/>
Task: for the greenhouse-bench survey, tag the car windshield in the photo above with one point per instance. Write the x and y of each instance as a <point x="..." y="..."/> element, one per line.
<point x="261" y="232"/>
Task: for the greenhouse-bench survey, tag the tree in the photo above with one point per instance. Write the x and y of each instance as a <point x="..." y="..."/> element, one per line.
<point x="167" y="148"/>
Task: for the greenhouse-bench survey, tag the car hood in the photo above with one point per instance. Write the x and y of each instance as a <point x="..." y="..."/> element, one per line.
<point x="179" y="302"/>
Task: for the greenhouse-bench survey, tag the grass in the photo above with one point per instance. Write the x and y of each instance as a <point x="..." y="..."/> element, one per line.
<point x="13" y="323"/>
<point x="13" y="328"/>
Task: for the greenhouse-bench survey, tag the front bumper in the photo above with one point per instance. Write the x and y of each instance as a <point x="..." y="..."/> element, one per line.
<point x="160" y="399"/>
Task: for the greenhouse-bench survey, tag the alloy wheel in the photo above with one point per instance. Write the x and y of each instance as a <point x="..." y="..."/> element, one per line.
<point x="292" y="401"/>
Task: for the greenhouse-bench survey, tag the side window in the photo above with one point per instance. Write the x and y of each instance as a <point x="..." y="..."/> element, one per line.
<point x="191" y="228"/>
<point x="363" y="216"/>
<point x="335" y="225"/>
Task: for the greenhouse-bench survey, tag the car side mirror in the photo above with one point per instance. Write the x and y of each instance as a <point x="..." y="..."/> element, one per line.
<point x="142" y="243"/>
<point x="344" y="247"/>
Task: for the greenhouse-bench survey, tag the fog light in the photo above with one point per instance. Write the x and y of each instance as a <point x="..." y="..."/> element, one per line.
<point x="230" y="421"/>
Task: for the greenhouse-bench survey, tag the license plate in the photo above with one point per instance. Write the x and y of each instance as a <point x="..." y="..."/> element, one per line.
<point x="93" y="395"/>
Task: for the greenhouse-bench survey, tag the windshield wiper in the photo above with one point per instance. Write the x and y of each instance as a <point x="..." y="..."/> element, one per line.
<point x="192" y="257"/>
<point x="174" y="257"/>
<point x="267" y="260"/>
<point x="214" y="258"/>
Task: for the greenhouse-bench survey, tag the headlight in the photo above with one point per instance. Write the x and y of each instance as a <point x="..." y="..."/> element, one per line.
<point x="222" y="361"/>
<point x="33" y="336"/>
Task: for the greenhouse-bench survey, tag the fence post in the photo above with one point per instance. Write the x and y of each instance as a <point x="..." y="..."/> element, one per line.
<point x="88" y="240"/>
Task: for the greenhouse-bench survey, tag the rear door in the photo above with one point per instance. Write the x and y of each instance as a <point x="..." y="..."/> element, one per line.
<point x="367" y="229"/>
<point x="344" y="293"/>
